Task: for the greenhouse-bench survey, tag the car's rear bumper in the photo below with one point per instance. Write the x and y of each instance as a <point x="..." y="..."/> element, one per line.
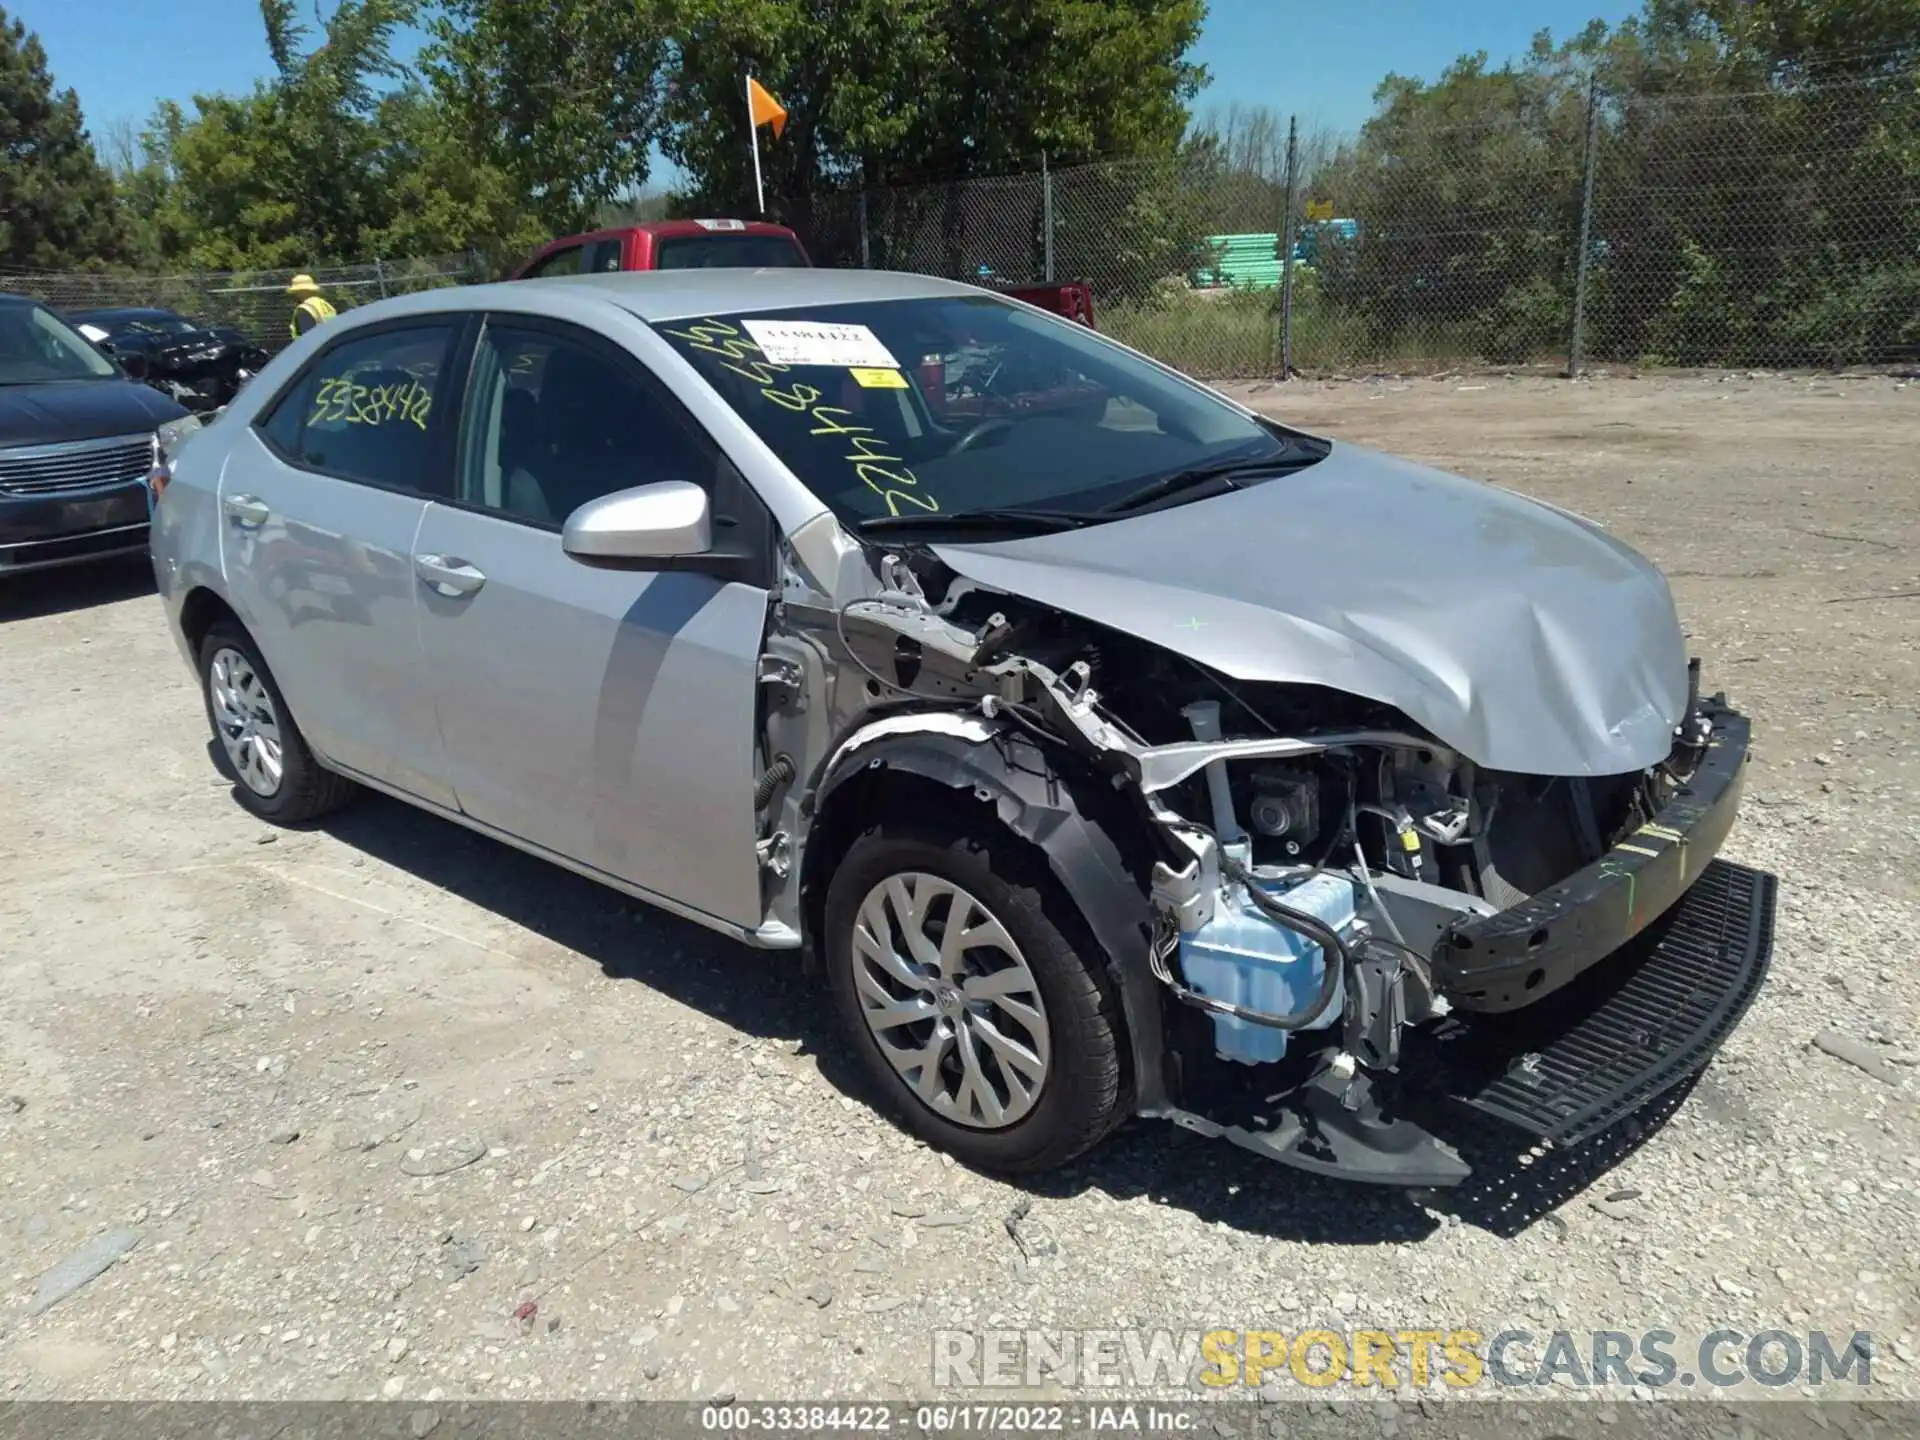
<point x="1523" y="954"/>
<point x="41" y="532"/>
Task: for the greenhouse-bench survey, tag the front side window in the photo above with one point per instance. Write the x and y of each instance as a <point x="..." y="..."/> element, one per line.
<point x="557" y="420"/>
<point x="960" y="403"/>
<point x="36" y="347"/>
<point x="362" y="411"/>
<point x="606" y="258"/>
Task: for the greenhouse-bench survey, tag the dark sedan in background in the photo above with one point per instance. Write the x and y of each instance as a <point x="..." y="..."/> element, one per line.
<point x="79" y="444"/>
<point x="201" y="366"/>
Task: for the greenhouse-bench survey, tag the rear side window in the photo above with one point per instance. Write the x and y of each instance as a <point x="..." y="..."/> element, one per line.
<point x="749" y="252"/>
<point x="561" y="262"/>
<point x="363" y="409"/>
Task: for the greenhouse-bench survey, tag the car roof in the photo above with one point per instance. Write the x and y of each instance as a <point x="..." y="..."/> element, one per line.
<point x="680" y="229"/>
<point x="655" y="295"/>
<point x="673" y="230"/>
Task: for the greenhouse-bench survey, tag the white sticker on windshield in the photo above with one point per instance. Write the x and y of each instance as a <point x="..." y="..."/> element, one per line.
<point x="93" y="333"/>
<point x="801" y="342"/>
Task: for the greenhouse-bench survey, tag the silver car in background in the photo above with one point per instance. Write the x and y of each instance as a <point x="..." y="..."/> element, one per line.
<point x="1113" y="749"/>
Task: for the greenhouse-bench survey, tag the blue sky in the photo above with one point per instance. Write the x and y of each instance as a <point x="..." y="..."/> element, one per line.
<point x="1318" y="58"/>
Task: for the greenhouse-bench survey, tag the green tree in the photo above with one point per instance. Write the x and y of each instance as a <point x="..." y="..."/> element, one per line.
<point x="342" y="156"/>
<point x="291" y="174"/>
<point x="563" y="97"/>
<point x="57" y="206"/>
<point x="1754" y="173"/>
<point x="900" y="92"/>
<point x="1467" y="192"/>
<point x="1759" y="164"/>
<point x="441" y="197"/>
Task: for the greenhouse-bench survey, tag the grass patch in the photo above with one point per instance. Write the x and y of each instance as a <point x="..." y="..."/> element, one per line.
<point x="1222" y="335"/>
<point x="1214" y="339"/>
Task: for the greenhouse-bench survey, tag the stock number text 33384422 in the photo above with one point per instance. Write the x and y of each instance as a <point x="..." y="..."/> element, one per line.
<point x="886" y="474"/>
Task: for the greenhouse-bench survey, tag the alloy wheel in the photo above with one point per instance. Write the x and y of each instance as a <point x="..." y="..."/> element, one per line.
<point x="950" y="1000"/>
<point x="245" y="718"/>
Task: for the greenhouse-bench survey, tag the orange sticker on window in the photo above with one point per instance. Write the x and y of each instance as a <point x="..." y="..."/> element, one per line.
<point x="877" y="379"/>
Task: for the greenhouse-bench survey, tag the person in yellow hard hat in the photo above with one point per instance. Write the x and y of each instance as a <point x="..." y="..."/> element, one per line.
<point x="312" y="308"/>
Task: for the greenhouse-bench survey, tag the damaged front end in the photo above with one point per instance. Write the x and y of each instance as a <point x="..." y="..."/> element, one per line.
<point x="1326" y="922"/>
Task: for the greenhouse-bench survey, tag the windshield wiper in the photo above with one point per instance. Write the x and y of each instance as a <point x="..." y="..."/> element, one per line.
<point x="1038" y="522"/>
<point x="1195" y="476"/>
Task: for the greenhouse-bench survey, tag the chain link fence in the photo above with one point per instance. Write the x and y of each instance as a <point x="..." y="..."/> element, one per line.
<point x="1136" y="231"/>
<point x="1769" y="228"/>
<point x="252" y="301"/>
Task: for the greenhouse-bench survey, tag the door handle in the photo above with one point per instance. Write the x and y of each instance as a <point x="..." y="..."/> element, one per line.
<point x="447" y="575"/>
<point x="248" y="510"/>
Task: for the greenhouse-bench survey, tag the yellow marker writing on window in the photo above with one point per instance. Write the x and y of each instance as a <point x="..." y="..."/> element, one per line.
<point x="877" y="379"/>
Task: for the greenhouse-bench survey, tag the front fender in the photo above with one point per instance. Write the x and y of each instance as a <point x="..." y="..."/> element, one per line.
<point x="1076" y="821"/>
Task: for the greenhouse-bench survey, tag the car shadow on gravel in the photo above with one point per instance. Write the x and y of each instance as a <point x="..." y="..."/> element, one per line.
<point x="1515" y="1184"/>
<point x="768" y="995"/>
<point x="74" y="587"/>
<point x="761" y="993"/>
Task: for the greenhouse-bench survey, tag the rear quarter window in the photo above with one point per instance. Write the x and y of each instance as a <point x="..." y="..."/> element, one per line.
<point x="362" y="409"/>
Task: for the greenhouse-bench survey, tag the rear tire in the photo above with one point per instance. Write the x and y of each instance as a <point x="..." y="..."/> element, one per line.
<point x="1003" y="1050"/>
<point x="257" y="743"/>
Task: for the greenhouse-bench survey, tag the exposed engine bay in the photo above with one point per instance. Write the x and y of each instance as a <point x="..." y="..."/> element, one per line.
<point x="1326" y="881"/>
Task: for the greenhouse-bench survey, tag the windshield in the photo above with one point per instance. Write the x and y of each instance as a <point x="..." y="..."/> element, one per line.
<point x="36" y="346"/>
<point x="158" y="323"/>
<point x="729" y="252"/>
<point x="963" y="403"/>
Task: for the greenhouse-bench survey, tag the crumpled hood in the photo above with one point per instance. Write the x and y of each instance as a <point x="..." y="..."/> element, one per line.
<point x="1524" y="637"/>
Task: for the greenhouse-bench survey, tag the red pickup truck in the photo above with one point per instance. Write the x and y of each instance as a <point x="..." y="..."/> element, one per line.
<point x="751" y="244"/>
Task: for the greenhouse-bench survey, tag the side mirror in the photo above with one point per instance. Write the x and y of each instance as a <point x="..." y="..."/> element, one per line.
<point x="134" y="363"/>
<point x="649" y="522"/>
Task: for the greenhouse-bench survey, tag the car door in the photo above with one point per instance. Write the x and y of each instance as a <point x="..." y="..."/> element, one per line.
<point x="320" y="503"/>
<point x="602" y="712"/>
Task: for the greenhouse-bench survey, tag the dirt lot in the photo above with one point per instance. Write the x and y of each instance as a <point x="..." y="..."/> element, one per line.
<point x="364" y="1092"/>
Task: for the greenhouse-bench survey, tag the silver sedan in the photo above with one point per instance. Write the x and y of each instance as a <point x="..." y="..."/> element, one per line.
<point x="1114" y="749"/>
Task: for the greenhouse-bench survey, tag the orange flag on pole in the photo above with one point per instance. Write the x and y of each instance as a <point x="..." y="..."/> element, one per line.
<point x="762" y="109"/>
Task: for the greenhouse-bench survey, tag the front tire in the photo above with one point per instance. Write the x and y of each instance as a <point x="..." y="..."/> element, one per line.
<point x="990" y="1032"/>
<point x="260" y="748"/>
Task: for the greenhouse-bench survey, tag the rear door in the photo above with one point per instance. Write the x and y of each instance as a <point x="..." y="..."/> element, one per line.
<point x="320" y="505"/>
<point x="605" y="714"/>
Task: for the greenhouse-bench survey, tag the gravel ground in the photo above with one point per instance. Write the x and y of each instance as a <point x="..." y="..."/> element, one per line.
<point x="382" y="1109"/>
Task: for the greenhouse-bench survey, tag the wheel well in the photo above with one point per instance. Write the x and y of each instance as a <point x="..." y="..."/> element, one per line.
<point x="200" y="612"/>
<point x="880" y="794"/>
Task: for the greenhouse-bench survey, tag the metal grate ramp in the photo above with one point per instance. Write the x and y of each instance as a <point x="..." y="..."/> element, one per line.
<point x="1634" y="1026"/>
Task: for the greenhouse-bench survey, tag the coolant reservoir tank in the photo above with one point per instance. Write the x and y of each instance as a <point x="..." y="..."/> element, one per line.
<point x="1244" y="958"/>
